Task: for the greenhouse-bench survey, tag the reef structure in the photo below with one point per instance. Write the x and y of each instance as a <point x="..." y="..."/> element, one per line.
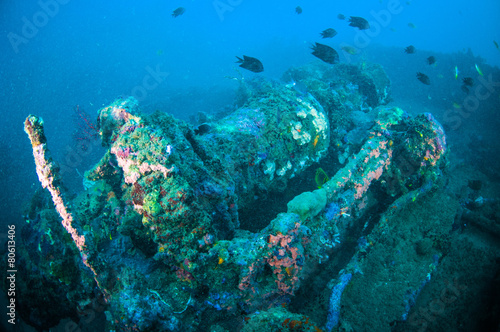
<point x="158" y="222"/>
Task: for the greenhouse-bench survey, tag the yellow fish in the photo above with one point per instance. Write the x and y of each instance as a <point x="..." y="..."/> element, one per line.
<point x="457" y="105"/>
<point x="316" y="141"/>
<point x="321" y="178"/>
<point x="349" y="49"/>
<point x="456" y="72"/>
<point x="479" y="70"/>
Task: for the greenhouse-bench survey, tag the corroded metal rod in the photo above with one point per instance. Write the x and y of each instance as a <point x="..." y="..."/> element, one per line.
<point x="48" y="174"/>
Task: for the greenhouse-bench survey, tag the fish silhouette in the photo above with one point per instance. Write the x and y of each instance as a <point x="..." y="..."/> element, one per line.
<point x="423" y="78"/>
<point x="359" y="22"/>
<point x="325" y="53"/>
<point x="178" y="12"/>
<point x="251" y="64"/>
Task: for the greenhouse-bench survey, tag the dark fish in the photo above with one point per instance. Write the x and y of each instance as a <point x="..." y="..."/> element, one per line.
<point x="202" y="129"/>
<point x="298" y="10"/>
<point x="496" y="45"/>
<point x="359" y="22"/>
<point x="475" y="184"/>
<point x="431" y="60"/>
<point x="341" y="16"/>
<point x="178" y="12"/>
<point x="328" y="33"/>
<point x="465" y="89"/>
<point x="325" y="53"/>
<point x="423" y="78"/>
<point x="468" y="81"/>
<point x="410" y="49"/>
<point x="251" y="64"/>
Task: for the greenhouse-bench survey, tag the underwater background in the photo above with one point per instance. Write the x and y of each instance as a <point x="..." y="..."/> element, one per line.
<point x="64" y="60"/>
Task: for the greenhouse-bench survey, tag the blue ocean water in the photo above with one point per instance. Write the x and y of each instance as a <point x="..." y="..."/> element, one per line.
<point x="56" y="54"/>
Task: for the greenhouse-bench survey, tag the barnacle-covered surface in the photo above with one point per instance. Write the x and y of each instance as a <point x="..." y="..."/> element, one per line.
<point x="161" y="211"/>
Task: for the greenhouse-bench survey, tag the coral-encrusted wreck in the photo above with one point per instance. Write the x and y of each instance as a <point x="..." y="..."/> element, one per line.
<point x="158" y="226"/>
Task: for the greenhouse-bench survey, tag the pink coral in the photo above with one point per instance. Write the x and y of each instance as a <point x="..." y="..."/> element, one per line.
<point x="284" y="260"/>
<point x="248" y="279"/>
<point x="283" y="254"/>
<point x="361" y="188"/>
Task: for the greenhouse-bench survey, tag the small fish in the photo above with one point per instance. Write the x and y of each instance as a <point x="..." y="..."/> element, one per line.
<point x="316" y="140"/>
<point x="410" y="49"/>
<point x="251" y="64"/>
<point x="298" y="10"/>
<point x="341" y="16"/>
<point x="320" y="177"/>
<point x="325" y="53"/>
<point x="359" y="22"/>
<point x="456" y="105"/>
<point x="423" y="78"/>
<point x="411" y="25"/>
<point x="328" y="33"/>
<point x="468" y="81"/>
<point x="475" y="185"/>
<point x="178" y="12"/>
<point x="496" y="45"/>
<point x="291" y="84"/>
<point x="456" y="72"/>
<point x="202" y="129"/>
<point x="479" y="71"/>
<point x="431" y="60"/>
<point x="349" y="49"/>
<point x="300" y="88"/>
